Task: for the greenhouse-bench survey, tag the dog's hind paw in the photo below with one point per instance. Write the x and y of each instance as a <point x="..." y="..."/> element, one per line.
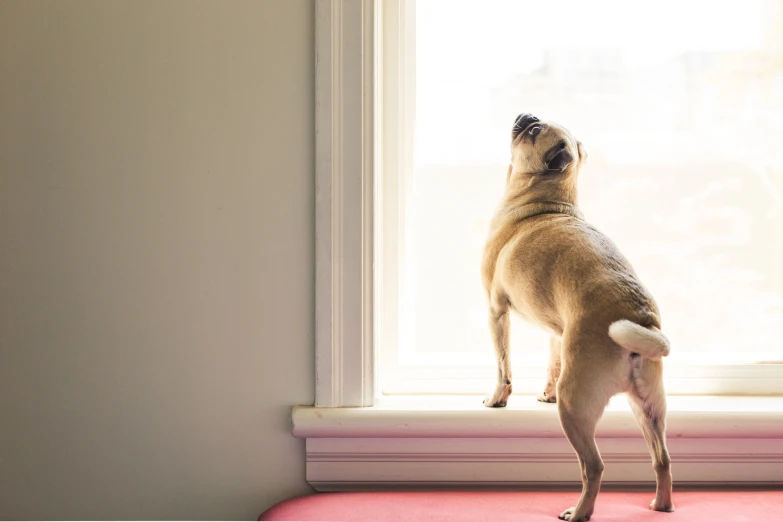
<point x="569" y="514"/>
<point x="665" y="507"/>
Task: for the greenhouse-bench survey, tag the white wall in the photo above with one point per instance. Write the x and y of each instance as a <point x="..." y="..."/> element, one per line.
<point x="156" y="256"/>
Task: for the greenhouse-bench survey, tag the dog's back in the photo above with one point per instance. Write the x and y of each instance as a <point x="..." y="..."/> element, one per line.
<point x="555" y="268"/>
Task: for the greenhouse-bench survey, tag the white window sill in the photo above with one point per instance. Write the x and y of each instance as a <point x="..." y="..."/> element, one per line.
<point x="464" y="416"/>
<point x="453" y="441"/>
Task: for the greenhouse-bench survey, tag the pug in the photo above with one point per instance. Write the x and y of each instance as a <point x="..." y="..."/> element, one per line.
<point x="545" y="262"/>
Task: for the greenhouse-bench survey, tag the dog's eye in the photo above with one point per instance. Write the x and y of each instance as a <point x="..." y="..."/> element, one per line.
<point x="534" y="130"/>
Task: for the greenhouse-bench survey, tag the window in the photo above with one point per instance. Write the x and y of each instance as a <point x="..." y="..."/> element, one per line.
<point x="401" y="113"/>
<point x="685" y="174"/>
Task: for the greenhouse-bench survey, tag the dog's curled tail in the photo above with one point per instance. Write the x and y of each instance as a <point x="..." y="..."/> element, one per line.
<point x="648" y="342"/>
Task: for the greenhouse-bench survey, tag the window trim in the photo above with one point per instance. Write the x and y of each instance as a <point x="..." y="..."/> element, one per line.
<point x="431" y="442"/>
<point x="728" y="380"/>
<point x="398" y="449"/>
<point x="344" y="202"/>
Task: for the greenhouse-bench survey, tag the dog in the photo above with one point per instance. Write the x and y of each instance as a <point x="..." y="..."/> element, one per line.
<point x="546" y="263"/>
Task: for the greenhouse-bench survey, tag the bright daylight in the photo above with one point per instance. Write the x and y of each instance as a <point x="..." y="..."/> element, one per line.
<point x="682" y="123"/>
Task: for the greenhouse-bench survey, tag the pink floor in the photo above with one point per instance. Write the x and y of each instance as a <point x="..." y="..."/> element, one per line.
<point x="525" y="507"/>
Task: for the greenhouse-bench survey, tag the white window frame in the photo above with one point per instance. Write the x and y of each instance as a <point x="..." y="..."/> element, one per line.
<point x="344" y="202"/>
<point x="356" y="441"/>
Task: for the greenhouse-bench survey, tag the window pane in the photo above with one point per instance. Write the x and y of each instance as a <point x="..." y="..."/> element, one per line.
<point x="680" y="106"/>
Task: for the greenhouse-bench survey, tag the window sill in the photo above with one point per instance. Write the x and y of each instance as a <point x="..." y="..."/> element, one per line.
<point x="463" y="416"/>
<point x="453" y="441"/>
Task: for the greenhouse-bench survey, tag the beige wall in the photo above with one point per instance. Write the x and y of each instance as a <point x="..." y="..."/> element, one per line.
<point x="156" y="256"/>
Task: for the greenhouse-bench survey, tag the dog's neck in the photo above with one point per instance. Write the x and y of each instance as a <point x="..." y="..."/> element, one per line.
<point x="535" y="196"/>
<point x="541" y="207"/>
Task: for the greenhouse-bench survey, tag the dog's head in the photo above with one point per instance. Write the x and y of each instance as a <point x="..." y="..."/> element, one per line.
<point x="543" y="149"/>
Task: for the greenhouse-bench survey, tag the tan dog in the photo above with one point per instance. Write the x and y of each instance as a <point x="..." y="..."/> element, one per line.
<point x="545" y="262"/>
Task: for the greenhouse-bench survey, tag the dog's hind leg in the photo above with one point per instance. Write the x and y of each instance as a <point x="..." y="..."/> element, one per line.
<point x="580" y="403"/>
<point x="552" y="372"/>
<point x="648" y="402"/>
<point x="499" y="326"/>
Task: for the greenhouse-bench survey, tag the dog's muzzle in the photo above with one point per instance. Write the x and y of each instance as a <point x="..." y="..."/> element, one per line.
<point x="521" y="123"/>
<point x="557" y="158"/>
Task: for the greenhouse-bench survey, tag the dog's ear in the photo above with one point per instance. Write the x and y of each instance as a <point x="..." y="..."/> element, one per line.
<point x="582" y="152"/>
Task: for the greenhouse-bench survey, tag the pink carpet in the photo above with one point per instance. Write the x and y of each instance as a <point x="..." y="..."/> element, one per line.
<point x="454" y="506"/>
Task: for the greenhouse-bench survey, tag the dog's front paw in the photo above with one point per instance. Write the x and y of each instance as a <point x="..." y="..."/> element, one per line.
<point x="571" y="515"/>
<point x="665" y="507"/>
<point x="499" y="397"/>
<point x="550" y="392"/>
<point x="546" y="397"/>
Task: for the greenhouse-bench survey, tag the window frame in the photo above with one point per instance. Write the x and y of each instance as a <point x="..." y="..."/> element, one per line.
<point x="357" y="439"/>
<point x="403" y="371"/>
<point x="345" y="202"/>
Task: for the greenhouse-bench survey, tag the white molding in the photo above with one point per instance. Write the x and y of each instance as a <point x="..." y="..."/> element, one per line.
<point x="717" y="379"/>
<point x="464" y="417"/>
<point x="531" y="463"/>
<point x="430" y="442"/>
<point x="344" y="202"/>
